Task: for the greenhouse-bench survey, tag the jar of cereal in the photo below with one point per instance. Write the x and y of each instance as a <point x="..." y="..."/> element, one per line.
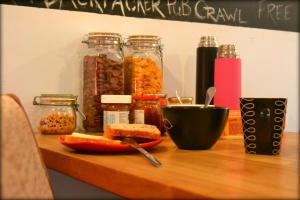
<point x="57" y="113"/>
<point x="143" y="65"/>
<point x="103" y="73"/>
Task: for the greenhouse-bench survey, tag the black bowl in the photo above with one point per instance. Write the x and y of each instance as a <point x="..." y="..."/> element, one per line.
<point x="193" y="126"/>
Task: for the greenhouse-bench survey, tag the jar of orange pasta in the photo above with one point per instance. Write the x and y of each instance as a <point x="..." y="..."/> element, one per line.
<point x="143" y="65"/>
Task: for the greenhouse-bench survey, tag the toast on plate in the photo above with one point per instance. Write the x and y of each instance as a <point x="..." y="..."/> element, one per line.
<point x="132" y="130"/>
<point x="81" y="137"/>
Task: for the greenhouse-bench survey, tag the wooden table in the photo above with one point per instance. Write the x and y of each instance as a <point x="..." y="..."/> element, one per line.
<point x="224" y="172"/>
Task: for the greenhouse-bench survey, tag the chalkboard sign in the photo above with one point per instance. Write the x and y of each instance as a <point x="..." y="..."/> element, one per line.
<point x="267" y="14"/>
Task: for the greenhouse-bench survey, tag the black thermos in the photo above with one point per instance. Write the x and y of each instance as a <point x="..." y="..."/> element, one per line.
<point x="206" y="55"/>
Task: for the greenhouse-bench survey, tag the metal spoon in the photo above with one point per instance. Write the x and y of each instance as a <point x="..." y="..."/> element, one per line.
<point x="179" y="99"/>
<point x="131" y="142"/>
<point x="210" y="92"/>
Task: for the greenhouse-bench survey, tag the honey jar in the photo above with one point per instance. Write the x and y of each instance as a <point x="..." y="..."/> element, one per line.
<point x="116" y="109"/>
<point x="146" y="110"/>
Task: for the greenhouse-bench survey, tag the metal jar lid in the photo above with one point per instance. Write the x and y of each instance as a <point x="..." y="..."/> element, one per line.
<point x="58" y="100"/>
<point x="146" y="97"/>
<point x="185" y="100"/>
<point x="116" y="99"/>
<point x="228" y="51"/>
<point x="144" y="41"/>
<point x="55" y="100"/>
<point x="162" y="95"/>
<point x="208" y="41"/>
<point x="103" y="38"/>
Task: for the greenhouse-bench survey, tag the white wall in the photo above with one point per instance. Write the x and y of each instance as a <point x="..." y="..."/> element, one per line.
<point x="41" y="51"/>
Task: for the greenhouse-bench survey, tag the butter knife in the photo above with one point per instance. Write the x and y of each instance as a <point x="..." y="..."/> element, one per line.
<point x="131" y="142"/>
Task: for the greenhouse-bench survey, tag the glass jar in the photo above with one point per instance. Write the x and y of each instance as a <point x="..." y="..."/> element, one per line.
<point x="146" y="110"/>
<point x="57" y="113"/>
<point x="103" y="73"/>
<point x="184" y="100"/>
<point x="116" y="109"/>
<point x="143" y="65"/>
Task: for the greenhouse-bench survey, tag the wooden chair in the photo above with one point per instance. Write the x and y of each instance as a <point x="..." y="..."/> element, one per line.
<point x="23" y="173"/>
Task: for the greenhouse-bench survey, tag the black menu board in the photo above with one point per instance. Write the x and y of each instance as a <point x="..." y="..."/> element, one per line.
<point x="266" y="14"/>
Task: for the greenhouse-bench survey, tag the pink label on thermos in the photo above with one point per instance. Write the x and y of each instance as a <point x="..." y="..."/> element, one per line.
<point x="227" y="80"/>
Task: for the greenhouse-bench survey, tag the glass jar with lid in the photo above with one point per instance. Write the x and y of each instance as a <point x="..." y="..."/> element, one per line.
<point x="103" y="73"/>
<point x="184" y="100"/>
<point x="56" y="113"/>
<point x="116" y="109"/>
<point x="146" y="110"/>
<point x="143" y="65"/>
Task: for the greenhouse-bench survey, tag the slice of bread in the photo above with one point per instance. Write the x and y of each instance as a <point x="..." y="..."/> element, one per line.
<point x="81" y="137"/>
<point x="132" y="130"/>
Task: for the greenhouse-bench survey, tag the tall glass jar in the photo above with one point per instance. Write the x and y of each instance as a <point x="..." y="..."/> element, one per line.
<point x="143" y="65"/>
<point x="103" y="73"/>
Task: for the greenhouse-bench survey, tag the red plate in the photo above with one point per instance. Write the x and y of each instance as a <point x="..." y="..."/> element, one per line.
<point x="104" y="147"/>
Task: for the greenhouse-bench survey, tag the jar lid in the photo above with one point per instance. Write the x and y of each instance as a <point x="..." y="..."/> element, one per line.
<point x="55" y="100"/>
<point x="103" y="38"/>
<point x="144" y="40"/>
<point x="208" y="41"/>
<point x="162" y="95"/>
<point x="147" y="97"/>
<point x="185" y="100"/>
<point x="116" y="99"/>
<point x="228" y="51"/>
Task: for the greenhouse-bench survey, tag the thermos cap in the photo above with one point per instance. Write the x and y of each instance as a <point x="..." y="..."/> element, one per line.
<point x="208" y="41"/>
<point x="227" y="51"/>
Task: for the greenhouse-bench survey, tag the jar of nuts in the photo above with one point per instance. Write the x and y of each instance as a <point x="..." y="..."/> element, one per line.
<point x="143" y="65"/>
<point x="103" y="73"/>
<point x="57" y="113"/>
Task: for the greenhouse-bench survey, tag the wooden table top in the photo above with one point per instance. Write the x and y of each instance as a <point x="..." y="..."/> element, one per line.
<point x="225" y="171"/>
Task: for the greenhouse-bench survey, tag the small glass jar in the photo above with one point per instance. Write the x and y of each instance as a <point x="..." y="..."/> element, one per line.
<point x="143" y="65"/>
<point x="57" y="113"/>
<point x="184" y="100"/>
<point x="116" y="109"/>
<point x="103" y="73"/>
<point x="146" y="110"/>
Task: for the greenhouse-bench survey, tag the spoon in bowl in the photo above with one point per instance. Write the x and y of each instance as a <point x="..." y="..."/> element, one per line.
<point x="210" y="93"/>
<point x="178" y="97"/>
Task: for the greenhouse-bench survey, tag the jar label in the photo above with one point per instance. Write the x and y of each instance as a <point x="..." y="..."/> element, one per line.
<point x="139" y="116"/>
<point x="115" y="117"/>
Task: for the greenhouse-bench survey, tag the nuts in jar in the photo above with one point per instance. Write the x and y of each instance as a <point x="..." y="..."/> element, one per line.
<point x="101" y="76"/>
<point x="103" y="73"/>
<point x="108" y="75"/>
<point x="57" y="113"/>
<point x="57" y="123"/>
